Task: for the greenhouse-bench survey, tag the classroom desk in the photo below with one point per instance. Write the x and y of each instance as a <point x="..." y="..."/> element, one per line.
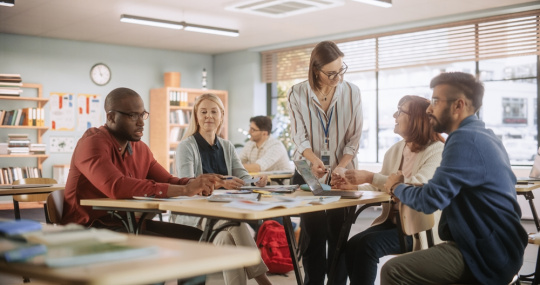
<point x="176" y="259"/>
<point x="28" y="191"/>
<point x="214" y="212"/>
<point x="129" y="206"/>
<point x="277" y="176"/>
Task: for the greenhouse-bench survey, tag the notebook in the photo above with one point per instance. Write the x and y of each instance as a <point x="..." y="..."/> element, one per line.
<point x="315" y="186"/>
<point x="534" y="175"/>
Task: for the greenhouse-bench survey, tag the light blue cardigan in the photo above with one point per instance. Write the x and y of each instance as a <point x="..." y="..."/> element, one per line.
<point x="189" y="164"/>
<point x="188" y="159"/>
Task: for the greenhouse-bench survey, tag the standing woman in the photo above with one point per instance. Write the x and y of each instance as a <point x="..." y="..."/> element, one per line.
<point x="326" y="125"/>
<point x="202" y="151"/>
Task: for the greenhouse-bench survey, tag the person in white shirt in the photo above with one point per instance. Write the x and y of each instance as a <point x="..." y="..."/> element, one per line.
<point x="263" y="152"/>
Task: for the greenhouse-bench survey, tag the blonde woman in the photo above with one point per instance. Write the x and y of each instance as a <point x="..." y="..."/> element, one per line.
<point x="202" y="151"/>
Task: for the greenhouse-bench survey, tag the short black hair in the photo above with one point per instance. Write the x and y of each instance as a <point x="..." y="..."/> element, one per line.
<point x="264" y="123"/>
<point x="464" y="82"/>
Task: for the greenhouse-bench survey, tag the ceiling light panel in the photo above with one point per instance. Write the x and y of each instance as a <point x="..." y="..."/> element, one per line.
<point x="282" y="8"/>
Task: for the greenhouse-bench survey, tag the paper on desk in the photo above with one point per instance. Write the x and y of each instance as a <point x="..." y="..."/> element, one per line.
<point x="315" y="200"/>
<point x="218" y="197"/>
<point x="273" y="188"/>
<point x="263" y="205"/>
<point x="176" y="198"/>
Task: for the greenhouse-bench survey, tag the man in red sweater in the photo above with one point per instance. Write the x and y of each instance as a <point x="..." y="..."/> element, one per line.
<point x="112" y="162"/>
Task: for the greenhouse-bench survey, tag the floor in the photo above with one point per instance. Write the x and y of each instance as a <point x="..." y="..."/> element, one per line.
<point x="362" y="223"/>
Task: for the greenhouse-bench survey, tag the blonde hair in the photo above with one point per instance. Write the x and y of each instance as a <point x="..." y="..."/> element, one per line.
<point x="193" y="126"/>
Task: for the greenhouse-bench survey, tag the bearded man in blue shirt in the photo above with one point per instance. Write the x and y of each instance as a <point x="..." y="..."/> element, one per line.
<point x="474" y="187"/>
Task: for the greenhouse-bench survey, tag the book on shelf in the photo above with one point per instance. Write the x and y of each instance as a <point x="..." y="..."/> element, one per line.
<point x="38" y="148"/>
<point x="178" y="98"/>
<point x="10" y="91"/>
<point x="10" y="77"/>
<point x="10" y="84"/>
<point x="10" y="174"/>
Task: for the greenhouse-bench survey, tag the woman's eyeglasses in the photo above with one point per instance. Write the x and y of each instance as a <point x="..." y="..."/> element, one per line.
<point x="333" y="75"/>
<point x="399" y="111"/>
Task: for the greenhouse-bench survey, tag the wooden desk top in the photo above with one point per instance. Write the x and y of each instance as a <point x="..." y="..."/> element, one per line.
<point x="121" y="203"/>
<point x="215" y="209"/>
<point x="176" y="259"/>
<point x="30" y="190"/>
<point x="523" y="188"/>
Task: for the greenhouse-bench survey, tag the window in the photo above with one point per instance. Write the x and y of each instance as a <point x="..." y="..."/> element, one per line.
<point x="502" y="50"/>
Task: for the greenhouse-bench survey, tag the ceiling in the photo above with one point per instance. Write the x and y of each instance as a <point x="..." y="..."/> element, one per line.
<point x="99" y="21"/>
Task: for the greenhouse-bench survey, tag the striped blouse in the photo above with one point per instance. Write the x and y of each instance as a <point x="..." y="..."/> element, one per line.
<point x="345" y="127"/>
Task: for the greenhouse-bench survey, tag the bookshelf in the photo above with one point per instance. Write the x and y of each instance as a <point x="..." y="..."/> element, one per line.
<point x="39" y="102"/>
<point x="165" y="119"/>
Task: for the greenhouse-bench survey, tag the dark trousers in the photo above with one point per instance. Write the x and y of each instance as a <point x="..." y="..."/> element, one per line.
<point x="365" y="249"/>
<point x="317" y="229"/>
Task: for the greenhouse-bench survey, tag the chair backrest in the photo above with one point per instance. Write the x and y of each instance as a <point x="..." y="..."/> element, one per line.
<point x="55" y="206"/>
<point x="413" y="223"/>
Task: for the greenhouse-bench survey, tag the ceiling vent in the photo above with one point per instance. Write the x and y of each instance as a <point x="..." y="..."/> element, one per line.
<point x="282" y="8"/>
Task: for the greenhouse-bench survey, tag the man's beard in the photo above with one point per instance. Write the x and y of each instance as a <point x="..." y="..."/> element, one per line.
<point x="442" y="124"/>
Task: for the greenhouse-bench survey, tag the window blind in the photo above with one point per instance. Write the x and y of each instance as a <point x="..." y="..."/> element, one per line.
<point x="471" y="40"/>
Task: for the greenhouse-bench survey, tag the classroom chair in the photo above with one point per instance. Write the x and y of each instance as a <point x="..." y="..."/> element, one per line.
<point x="30" y="197"/>
<point x="55" y="206"/>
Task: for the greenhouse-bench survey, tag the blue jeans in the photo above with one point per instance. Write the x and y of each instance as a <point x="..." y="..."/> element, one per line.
<point x="365" y="249"/>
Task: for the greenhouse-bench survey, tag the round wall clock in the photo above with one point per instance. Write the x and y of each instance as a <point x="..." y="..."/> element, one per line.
<point x="100" y="74"/>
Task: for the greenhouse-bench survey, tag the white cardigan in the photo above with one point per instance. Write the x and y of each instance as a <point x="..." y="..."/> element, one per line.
<point x="423" y="169"/>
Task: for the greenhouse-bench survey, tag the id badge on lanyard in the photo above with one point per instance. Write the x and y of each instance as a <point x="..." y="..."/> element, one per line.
<point x="325" y="152"/>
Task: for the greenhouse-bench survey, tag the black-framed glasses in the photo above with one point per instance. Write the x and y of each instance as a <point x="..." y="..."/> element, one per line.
<point x="399" y="111"/>
<point x="252" y="130"/>
<point x="435" y="101"/>
<point x="134" y="116"/>
<point x="333" y="75"/>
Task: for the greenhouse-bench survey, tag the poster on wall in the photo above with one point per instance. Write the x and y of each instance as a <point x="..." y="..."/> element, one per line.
<point x="61" y="144"/>
<point x="62" y="111"/>
<point x="88" y="111"/>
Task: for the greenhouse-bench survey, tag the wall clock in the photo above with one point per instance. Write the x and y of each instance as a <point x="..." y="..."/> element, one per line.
<point x="100" y="74"/>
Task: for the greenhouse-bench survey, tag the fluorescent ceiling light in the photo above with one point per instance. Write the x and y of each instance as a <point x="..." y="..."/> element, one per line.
<point x="177" y="25"/>
<point x="151" y="22"/>
<point x="380" y="3"/>
<point x="9" y="3"/>
<point x="211" y="30"/>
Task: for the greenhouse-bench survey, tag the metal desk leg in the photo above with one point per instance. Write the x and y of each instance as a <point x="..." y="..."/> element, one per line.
<point x="289" y="232"/>
<point x="529" y="196"/>
<point x="16" y="210"/>
<point x="344" y="236"/>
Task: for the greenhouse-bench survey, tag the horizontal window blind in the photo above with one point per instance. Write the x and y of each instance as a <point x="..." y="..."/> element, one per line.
<point x="472" y="40"/>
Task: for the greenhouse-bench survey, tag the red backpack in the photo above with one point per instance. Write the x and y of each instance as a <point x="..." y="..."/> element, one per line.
<point x="272" y="243"/>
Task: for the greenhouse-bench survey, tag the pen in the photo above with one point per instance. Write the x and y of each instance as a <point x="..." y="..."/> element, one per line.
<point x="227" y="177"/>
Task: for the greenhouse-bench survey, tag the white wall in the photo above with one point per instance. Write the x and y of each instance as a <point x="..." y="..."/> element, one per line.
<point x="240" y="74"/>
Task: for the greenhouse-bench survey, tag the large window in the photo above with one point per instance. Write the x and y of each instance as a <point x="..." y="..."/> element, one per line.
<point x="502" y="51"/>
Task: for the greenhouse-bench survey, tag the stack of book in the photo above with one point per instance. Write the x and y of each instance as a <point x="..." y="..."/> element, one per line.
<point x="23" y="117"/>
<point x="10" y="84"/>
<point x="18" y="144"/>
<point x="38" y="148"/>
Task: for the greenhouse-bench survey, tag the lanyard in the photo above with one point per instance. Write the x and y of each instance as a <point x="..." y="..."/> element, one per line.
<point x="325" y="129"/>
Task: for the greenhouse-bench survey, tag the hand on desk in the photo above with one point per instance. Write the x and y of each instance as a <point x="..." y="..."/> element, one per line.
<point x="262" y="182"/>
<point x="203" y="185"/>
<point x="229" y="182"/>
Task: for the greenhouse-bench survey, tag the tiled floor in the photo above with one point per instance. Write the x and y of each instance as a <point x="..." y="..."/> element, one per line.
<point x="216" y="279"/>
